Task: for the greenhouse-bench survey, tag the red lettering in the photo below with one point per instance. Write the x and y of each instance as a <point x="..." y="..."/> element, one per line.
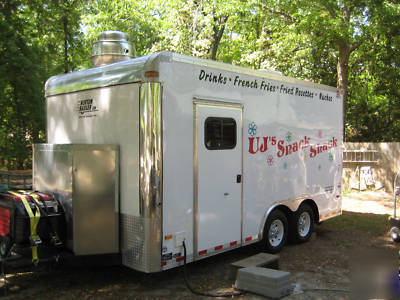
<point x="306" y="141"/>
<point x="281" y="151"/>
<point x="334" y="143"/>
<point x="295" y="147"/>
<point x="264" y="146"/>
<point x="251" y="145"/>
<point x="288" y="149"/>
<point x="313" y="152"/>
<point x="273" y="139"/>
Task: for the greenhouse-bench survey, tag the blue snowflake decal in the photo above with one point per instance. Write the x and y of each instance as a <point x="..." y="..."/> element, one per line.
<point x="285" y="165"/>
<point x="288" y="137"/>
<point x="319" y="167"/>
<point x="252" y="129"/>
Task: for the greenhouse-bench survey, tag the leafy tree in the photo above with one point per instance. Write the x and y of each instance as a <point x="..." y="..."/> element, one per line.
<point x="20" y="89"/>
<point x="196" y="27"/>
<point x="137" y="18"/>
<point x="374" y="97"/>
<point x="353" y="44"/>
<point x="31" y="50"/>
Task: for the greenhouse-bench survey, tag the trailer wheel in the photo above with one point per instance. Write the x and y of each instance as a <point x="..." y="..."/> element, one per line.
<point x="302" y="224"/>
<point x="275" y="231"/>
<point x="395" y="234"/>
<point x="4" y="246"/>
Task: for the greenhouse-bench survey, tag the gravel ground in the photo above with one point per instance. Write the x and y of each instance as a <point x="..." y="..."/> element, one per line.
<point x="322" y="268"/>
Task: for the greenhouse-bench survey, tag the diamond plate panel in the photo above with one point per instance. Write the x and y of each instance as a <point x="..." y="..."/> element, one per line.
<point x="137" y="248"/>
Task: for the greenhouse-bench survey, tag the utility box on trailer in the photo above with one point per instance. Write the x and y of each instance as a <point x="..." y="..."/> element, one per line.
<point x="210" y="154"/>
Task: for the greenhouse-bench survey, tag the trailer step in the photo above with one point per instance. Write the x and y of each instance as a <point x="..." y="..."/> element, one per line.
<point x="262" y="260"/>
<point x="263" y="281"/>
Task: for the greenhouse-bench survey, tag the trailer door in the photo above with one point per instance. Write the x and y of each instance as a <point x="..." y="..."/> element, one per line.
<point x="218" y="176"/>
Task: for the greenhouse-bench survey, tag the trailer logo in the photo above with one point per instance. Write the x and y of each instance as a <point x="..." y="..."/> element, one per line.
<point x="289" y="146"/>
<point x="86" y="108"/>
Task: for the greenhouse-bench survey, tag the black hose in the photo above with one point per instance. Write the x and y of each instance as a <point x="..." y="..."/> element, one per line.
<point x="325" y="290"/>
<point x="197" y="292"/>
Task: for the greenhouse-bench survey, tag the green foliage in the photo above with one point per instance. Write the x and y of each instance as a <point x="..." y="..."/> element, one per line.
<point x="353" y="44"/>
<point x="21" y="116"/>
<point x="363" y="223"/>
<point x="39" y="39"/>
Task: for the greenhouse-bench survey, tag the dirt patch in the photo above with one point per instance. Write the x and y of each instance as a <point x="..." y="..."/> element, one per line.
<point x="321" y="268"/>
<point x="377" y="202"/>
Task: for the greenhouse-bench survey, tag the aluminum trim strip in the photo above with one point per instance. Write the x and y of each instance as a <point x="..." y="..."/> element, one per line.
<point x="150" y="186"/>
<point x="213" y="102"/>
<point x="195" y="181"/>
<point x="117" y="73"/>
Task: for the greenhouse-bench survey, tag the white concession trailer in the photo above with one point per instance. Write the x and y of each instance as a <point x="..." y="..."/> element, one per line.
<point x="149" y="152"/>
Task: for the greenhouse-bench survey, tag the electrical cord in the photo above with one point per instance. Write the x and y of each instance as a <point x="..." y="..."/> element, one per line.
<point x="198" y="292"/>
<point x="325" y="290"/>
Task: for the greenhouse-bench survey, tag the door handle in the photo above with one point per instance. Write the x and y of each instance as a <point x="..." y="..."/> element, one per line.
<point x="238" y="178"/>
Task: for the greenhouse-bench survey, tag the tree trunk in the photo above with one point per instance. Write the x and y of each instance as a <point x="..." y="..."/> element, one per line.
<point x="65" y="23"/>
<point x="343" y="73"/>
<point x="343" y="66"/>
<point x="219" y="27"/>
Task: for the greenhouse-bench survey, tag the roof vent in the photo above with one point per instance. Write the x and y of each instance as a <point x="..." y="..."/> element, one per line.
<point x="111" y="46"/>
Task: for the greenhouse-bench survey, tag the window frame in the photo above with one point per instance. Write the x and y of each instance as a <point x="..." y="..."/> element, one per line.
<point x="222" y="145"/>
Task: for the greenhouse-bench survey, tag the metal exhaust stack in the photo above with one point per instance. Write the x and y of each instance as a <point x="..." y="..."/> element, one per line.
<point x="111" y="46"/>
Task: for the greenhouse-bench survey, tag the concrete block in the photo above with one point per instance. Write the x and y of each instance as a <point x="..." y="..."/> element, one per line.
<point x="263" y="281"/>
<point x="259" y="260"/>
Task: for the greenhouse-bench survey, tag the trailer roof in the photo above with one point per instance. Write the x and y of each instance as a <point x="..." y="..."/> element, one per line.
<point x="133" y="70"/>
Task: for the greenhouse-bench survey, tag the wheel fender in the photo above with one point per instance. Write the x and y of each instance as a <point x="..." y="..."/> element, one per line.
<point x="285" y="208"/>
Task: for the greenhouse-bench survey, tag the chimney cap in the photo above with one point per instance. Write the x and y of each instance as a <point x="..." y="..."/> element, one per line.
<point x="111" y="46"/>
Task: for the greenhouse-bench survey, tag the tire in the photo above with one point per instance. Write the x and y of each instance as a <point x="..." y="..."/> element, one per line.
<point x="275" y="232"/>
<point x="5" y="243"/>
<point x="302" y="224"/>
<point x="395" y="234"/>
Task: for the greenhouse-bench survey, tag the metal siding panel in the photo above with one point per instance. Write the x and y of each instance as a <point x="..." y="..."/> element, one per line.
<point x="84" y="178"/>
<point x="116" y="121"/>
<point x="144" y="253"/>
<point x="95" y="202"/>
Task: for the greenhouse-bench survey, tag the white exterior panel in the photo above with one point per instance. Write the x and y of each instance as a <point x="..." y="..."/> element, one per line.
<point x="218" y="195"/>
<point x="271" y="177"/>
<point x="111" y="117"/>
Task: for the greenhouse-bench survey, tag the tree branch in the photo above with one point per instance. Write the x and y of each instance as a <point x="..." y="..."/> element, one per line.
<point x="282" y="14"/>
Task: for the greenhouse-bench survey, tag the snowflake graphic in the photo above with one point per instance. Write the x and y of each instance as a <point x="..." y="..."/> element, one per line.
<point x="320" y="134"/>
<point x="331" y="157"/>
<point x="285" y="165"/>
<point x="319" y="167"/>
<point x="270" y="160"/>
<point x="289" y="137"/>
<point x="252" y="129"/>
